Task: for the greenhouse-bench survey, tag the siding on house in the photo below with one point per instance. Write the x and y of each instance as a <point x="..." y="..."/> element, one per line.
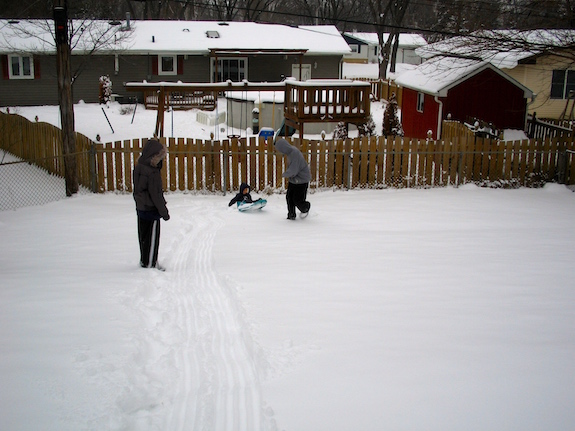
<point x="416" y="124"/>
<point x="134" y="68"/>
<point x="272" y="68"/>
<point x="42" y="90"/>
<point x="137" y="68"/>
<point x="489" y="97"/>
<point x="536" y="74"/>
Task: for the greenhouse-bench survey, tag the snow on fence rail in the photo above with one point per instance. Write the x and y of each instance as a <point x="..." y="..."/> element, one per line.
<point x="373" y="162"/>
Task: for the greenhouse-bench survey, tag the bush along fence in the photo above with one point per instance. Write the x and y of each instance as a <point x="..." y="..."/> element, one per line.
<point x="369" y="162"/>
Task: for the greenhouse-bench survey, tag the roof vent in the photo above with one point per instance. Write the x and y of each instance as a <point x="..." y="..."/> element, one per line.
<point x="212" y="34"/>
<point x="223" y="23"/>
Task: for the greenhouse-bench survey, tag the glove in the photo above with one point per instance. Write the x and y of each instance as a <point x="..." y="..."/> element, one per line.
<point x="167" y="217"/>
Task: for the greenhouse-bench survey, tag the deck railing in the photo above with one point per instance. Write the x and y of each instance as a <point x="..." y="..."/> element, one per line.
<point x="181" y="100"/>
<point x="322" y="101"/>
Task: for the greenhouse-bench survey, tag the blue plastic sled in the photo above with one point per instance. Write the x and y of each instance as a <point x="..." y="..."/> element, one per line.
<point x="253" y="206"/>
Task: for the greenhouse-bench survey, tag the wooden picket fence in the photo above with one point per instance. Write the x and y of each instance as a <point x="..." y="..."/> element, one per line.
<point x="373" y="162"/>
<point x="41" y="144"/>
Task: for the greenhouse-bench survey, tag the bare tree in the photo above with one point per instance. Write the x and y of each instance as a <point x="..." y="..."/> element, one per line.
<point x="317" y="12"/>
<point x="225" y="10"/>
<point x="500" y="46"/>
<point x="86" y="36"/>
<point x="63" y="36"/>
<point x="388" y="16"/>
<point x="255" y="9"/>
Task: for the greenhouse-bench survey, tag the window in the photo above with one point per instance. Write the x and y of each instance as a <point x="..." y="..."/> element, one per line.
<point x="562" y="82"/>
<point x="234" y="69"/>
<point x="20" y="67"/>
<point x="420" y="100"/>
<point x="354" y="48"/>
<point x="167" y="65"/>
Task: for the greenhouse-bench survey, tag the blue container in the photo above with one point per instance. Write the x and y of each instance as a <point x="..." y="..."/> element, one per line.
<point x="266" y="132"/>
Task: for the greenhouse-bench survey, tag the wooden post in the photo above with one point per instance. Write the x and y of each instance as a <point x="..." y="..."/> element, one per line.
<point x="160" y="118"/>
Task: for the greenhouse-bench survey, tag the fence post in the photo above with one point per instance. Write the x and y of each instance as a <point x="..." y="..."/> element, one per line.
<point x="459" y="168"/>
<point x="92" y="162"/>
<point x="226" y="171"/>
<point x="349" y="170"/>
<point x="562" y="166"/>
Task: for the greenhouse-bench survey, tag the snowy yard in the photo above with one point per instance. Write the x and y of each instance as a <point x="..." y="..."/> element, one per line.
<point x="442" y="309"/>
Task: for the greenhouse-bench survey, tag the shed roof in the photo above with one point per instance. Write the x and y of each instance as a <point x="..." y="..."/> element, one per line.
<point x="438" y="75"/>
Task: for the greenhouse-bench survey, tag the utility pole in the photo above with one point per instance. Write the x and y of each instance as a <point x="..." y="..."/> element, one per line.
<point x="65" y="101"/>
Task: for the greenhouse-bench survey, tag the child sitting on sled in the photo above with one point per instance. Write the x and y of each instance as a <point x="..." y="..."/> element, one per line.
<point x="243" y="196"/>
<point x="245" y="201"/>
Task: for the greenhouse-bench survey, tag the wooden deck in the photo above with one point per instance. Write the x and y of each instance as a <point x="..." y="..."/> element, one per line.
<point x="318" y="101"/>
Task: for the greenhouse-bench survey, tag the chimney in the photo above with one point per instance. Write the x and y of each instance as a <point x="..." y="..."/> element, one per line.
<point x="127" y="20"/>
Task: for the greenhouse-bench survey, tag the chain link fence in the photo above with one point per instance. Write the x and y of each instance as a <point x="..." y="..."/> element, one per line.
<point x="24" y="184"/>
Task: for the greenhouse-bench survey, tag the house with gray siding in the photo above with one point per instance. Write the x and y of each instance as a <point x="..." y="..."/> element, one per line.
<point x="161" y="51"/>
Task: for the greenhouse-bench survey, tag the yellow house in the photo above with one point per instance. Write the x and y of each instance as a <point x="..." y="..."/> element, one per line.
<point x="551" y="78"/>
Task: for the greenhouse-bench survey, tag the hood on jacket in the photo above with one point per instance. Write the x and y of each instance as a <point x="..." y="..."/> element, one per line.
<point x="244" y="186"/>
<point x="153" y="153"/>
<point x="283" y="146"/>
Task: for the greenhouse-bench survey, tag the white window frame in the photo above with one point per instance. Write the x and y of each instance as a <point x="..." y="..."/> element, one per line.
<point x="161" y="71"/>
<point x="565" y="86"/>
<point x="420" y="101"/>
<point x="20" y="58"/>
<point x="305" y="71"/>
<point x="243" y="68"/>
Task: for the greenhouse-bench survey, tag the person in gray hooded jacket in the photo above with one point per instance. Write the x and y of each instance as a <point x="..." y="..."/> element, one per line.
<point x="150" y="202"/>
<point x="298" y="174"/>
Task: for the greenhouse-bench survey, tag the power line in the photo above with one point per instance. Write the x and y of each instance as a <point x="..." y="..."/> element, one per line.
<point x="484" y="4"/>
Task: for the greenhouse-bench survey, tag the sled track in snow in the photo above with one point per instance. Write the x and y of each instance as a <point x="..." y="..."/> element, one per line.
<point x="219" y="388"/>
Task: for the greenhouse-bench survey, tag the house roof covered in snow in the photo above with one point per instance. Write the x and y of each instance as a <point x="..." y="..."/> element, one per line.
<point x="189" y="37"/>
<point x="503" y="48"/>
<point x="406" y="40"/>
<point x="438" y="75"/>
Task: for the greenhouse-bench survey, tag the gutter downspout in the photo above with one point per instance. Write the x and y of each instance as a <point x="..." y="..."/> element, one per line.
<point x="439" y="117"/>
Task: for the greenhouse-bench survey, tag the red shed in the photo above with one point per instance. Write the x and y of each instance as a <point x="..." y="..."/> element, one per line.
<point x="456" y="88"/>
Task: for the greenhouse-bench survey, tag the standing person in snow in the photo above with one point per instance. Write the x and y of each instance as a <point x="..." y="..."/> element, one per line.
<point x="298" y="174"/>
<point x="150" y="202"/>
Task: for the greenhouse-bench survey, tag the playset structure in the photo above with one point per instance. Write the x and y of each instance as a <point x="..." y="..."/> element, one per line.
<point x="312" y="101"/>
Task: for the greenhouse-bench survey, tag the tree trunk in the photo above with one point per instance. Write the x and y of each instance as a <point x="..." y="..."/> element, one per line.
<point x="394" y="53"/>
<point x="67" y="114"/>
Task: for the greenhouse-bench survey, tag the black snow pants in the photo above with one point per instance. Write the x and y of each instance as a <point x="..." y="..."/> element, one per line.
<point x="149" y="236"/>
<point x="296" y="198"/>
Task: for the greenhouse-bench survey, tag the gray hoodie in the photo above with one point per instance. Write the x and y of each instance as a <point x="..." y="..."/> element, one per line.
<point x="297" y="170"/>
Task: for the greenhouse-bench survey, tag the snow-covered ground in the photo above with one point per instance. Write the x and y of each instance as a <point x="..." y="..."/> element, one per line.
<point x="441" y="309"/>
<point x="117" y="122"/>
